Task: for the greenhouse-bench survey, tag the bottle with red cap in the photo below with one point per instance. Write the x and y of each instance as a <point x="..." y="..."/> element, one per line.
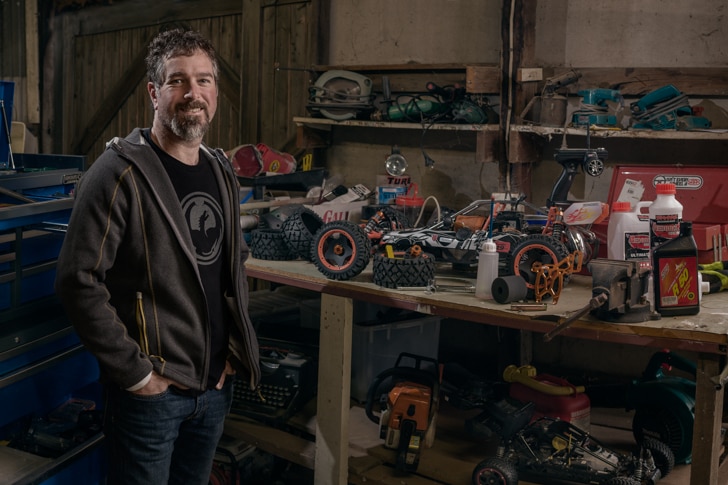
<point x="628" y="232"/>
<point x="665" y="215"/>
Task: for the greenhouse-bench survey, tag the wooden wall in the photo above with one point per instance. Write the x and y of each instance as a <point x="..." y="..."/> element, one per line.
<point x="95" y="78"/>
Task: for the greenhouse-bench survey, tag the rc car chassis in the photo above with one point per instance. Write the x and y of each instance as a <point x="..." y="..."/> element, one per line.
<point x="553" y="451"/>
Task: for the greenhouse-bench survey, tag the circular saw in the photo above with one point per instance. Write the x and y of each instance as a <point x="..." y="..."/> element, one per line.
<point x="341" y="95"/>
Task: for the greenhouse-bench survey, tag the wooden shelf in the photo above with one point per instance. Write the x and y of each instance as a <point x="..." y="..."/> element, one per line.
<point x="326" y="124"/>
<point x="488" y="137"/>
<point x="525" y="140"/>
<point x="597" y="132"/>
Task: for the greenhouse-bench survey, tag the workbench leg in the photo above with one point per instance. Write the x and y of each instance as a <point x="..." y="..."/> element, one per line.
<point x="708" y="418"/>
<point x="334" y="389"/>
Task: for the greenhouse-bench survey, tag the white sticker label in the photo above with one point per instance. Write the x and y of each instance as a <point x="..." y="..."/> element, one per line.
<point x="631" y="192"/>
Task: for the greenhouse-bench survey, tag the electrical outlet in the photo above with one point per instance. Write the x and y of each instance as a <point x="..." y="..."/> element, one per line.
<point x="528" y="74"/>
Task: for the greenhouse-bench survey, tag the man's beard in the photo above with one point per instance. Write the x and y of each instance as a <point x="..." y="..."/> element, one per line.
<point x="188" y="127"/>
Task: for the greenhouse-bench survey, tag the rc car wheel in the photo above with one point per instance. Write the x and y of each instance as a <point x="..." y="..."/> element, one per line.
<point x="661" y="453"/>
<point x="403" y="270"/>
<point x="495" y="471"/>
<point x="299" y="228"/>
<point x="623" y="481"/>
<point x="340" y="250"/>
<point x="269" y="244"/>
<point x="530" y="249"/>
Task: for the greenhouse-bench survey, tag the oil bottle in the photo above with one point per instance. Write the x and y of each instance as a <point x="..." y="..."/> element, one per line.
<point x="665" y="215"/>
<point x="675" y="274"/>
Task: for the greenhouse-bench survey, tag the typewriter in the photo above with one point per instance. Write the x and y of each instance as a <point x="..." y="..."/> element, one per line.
<point x="288" y="382"/>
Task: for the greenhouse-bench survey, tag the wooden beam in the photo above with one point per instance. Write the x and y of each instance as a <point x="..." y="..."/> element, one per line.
<point x="142" y="13"/>
<point x="637" y="81"/>
<point x="32" y="67"/>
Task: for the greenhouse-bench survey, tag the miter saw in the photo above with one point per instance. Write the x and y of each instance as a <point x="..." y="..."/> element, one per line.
<point x="341" y="95"/>
<point x="409" y="409"/>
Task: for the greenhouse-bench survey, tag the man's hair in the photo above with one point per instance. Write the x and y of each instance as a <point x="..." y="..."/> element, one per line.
<point x="175" y="43"/>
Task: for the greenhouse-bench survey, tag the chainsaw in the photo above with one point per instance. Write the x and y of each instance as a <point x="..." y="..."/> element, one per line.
<point x="409" y="408"/>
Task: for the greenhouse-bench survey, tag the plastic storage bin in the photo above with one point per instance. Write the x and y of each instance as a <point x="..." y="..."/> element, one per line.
<point x="375" y="348"/>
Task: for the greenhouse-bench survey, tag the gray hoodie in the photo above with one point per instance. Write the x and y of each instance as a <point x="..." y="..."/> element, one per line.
<point x="127" y="274"/>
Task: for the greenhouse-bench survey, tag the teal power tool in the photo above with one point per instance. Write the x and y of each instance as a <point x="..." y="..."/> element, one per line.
<point x="666" y="108"/>
<point x="594" y="109"/>
<point x="664" y="404"/>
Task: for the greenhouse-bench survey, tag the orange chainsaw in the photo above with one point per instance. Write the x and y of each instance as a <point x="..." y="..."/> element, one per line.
<point x="408" y="398"/>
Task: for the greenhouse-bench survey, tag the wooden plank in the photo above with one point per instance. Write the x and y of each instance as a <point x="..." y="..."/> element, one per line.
<point x="250" y="74"/>
<point x="132" y="14"/>
<point x="32" y="66"/>
<point x="707" y="438"/>
<point x="482" y="79"/>
<point x="630" y="81"/>
<point x="111" y="105"/>
<point x="334" y="377"/>
<point x="487" y="147"/>
<point x="277" y="442"/>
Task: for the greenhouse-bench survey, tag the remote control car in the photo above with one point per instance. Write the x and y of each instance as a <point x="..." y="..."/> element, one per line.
<point x="551" y="451"/>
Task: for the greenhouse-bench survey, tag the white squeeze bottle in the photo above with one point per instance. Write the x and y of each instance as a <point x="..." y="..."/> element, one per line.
<point x="628" y="232"/>
<point x="665" y="215"/>
<point x="487" y="270"/>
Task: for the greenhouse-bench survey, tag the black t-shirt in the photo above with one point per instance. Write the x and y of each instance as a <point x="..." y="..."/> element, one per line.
<point x="199" y="196"/>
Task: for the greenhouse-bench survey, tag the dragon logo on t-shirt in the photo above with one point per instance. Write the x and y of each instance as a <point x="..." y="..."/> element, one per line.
<point x="204" y="218"/>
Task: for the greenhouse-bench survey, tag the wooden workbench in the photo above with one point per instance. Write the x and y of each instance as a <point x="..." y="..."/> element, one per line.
<point x="705" y="333"/>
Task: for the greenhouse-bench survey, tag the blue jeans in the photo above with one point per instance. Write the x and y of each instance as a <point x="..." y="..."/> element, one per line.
<point x="168" y="438"/>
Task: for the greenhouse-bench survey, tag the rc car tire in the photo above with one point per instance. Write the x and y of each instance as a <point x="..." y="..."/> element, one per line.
<point x="495" y="471"/>
<point x="270" y="245"/>
<point x="623" y="481"/>
<point x="528" y="250"/>
<point x="402" y="270"/>
<point x="661" y="453"/>
<point x="298" y="230"/>
<point x="340" y="250"/>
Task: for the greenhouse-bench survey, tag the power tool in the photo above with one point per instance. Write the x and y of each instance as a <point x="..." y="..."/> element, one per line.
<point x="665" y="108"/>
<point x="341" y="95"/>
<point x="594" y="107"/>
<point x="665" y="404"/>
<point x="407" y="422"/>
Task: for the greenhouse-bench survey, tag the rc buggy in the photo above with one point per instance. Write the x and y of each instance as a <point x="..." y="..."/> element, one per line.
<point x="554" y="451"/>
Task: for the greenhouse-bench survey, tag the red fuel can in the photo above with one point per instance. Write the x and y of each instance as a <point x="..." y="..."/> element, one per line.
<point x="556" y="398"/>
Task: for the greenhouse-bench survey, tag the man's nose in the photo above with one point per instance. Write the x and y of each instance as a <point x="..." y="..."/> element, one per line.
<point x="192" y="92"/>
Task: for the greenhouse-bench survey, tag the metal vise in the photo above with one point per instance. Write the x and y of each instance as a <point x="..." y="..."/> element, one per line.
<point x="625" y="283"/>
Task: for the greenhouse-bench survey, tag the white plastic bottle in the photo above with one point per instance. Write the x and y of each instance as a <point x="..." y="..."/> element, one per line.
<point x="665" y="215"/>
<point x="487" y="270"/>
<point x="628" y="232"/>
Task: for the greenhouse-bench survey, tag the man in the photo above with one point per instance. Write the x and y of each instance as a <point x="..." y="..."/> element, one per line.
<point x="151" y="275"/>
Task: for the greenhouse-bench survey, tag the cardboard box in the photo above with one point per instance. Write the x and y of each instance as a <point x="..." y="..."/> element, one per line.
<point x="338" y="211"/>
<point x="387" y="193"/>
